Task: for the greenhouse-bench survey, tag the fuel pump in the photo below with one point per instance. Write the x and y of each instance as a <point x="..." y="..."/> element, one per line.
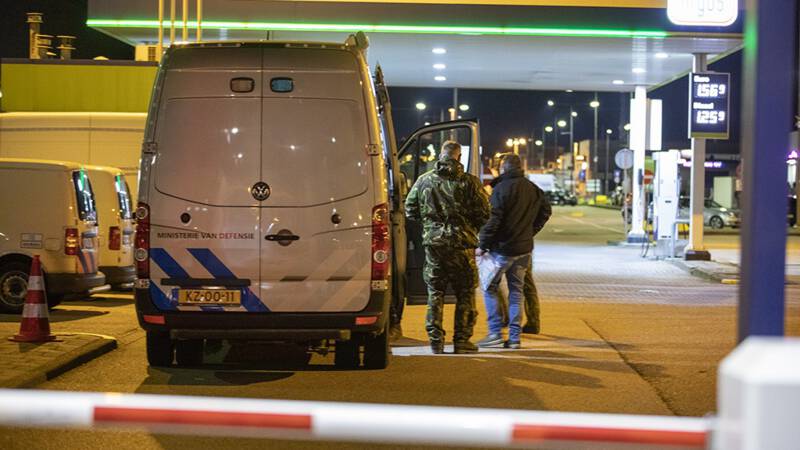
<point x="666" y="194"/>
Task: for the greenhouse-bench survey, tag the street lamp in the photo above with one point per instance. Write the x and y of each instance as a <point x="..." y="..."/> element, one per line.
<point x="595" y="104"/>
<point x="551" y="103"/>
<point x="573" y="113"/>
<point x="605" y="173"/>
<point x="463" y="107"/>
<point x="515" y="143"/>
<point x="421" y="106"/>
<point x="548" y="129"/>
<point x="538" y="142"/>
<point x="562" y="123"/>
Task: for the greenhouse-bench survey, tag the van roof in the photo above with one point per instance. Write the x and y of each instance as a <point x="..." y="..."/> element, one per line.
<point x="112" y="170"/>
<point x="263" y="44"/>
<point x="40" y="164"/>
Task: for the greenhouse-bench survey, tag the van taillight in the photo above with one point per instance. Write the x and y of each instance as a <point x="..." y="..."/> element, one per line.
<point x="114" y="238"/>
<point x="71" y="245"/>
<point x="381" y="245"/>
<point x="142" y="243"/>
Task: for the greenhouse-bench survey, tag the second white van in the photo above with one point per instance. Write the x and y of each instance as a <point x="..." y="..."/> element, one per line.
<point x="115" y="225"/>
<point x="48" y="209"/>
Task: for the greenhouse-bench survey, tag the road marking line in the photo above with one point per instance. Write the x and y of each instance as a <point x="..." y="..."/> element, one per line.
<point x="120" y="296"/>
<point x="615" y="230"/>
<point x="500" y="352"/>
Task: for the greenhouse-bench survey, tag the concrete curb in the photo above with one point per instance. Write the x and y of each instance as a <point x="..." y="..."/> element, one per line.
<point x="730" y="276"/>
<point x="62" y="363"/>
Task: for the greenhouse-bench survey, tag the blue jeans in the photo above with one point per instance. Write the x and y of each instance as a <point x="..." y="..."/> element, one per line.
<point x="514" y="267"/>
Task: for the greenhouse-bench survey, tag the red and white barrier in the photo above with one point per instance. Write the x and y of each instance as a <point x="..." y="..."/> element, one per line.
<point x="349" y="421"/>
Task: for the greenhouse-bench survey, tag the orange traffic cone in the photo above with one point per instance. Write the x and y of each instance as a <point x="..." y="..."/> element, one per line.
<point x="35" y="325"/>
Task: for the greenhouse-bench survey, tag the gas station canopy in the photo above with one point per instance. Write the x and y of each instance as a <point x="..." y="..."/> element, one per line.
<point x="538" y="45"/>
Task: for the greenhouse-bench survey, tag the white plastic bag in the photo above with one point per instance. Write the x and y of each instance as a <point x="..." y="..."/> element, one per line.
<point x="487" y="270"/>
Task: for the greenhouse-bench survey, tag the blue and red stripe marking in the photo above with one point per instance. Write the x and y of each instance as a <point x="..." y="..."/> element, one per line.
<point x="212" y="264"/>
<point x="217" y="269"/>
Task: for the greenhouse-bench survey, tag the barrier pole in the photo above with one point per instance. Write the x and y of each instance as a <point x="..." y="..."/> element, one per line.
<point x="326" y="421"/>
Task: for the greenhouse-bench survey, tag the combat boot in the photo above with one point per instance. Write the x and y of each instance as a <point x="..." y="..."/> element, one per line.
<point x="531" y="328"/>
<point x="464" y="347"/>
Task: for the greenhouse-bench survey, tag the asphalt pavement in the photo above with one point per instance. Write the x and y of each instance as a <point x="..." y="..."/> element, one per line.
<point x="620" y="334"/>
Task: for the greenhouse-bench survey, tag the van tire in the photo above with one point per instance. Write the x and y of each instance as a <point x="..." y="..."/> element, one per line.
<point x="376" y="350"/>
<point x="189" y="352"/>
<point x="346" y="355"/>
<point x="12" y="273"/>
<point x="160" y="349"/>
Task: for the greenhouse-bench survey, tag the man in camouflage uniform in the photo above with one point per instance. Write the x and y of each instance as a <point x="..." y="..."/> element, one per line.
<point x="452" y="206"/>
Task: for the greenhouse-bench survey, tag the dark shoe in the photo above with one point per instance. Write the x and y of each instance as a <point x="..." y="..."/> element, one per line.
<point x="530" y="328"/>
<point x="395" y="332"/>
<point x="513" y="344"/>
<point x="437" y="348"/>
<point x="492" y="340"/>
<point x="461" y="348"/>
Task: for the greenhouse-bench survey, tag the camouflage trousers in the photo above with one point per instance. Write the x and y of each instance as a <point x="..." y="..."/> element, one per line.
<point x="456" y="267"/>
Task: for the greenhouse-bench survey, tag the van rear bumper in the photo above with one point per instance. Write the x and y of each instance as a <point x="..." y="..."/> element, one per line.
<point x="116" y="275"/>
<point x="73" y="283"/>
<point x="292" y="327"/>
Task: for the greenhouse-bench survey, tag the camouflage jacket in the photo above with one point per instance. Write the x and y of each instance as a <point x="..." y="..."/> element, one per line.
<point x="451" y="205"/>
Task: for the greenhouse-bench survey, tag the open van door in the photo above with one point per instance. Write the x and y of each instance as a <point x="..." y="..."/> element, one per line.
<point x="418" y="155"/>
<point x="398" y="188"/>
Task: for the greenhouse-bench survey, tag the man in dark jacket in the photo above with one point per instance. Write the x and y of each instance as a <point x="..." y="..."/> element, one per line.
<point x="519" y="211"/>
<point x="531" y="296"/>
<point x="452" y="206"/>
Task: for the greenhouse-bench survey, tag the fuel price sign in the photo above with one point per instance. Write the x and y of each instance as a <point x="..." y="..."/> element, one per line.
<point x="709" y="105"/>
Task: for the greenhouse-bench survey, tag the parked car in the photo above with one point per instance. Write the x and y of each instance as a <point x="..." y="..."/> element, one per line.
<point x="715" y="215"/>
<point x="116" y="227"/>
<point x="561" y="197"/>
<point x="48" y="210"/>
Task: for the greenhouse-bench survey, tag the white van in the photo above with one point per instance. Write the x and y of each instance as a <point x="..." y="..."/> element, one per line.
<point x="116" y="227"/>
<point x="269" y="201"/>
<point x="48" y="209"/>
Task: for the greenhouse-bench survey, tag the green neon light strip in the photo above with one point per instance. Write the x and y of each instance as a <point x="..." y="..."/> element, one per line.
<point x="411" y="29"/>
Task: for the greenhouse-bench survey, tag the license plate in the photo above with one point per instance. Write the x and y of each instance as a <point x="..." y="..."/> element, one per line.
<point x="209" y="297"/>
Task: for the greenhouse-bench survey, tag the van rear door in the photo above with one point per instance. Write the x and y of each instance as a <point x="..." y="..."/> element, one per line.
<point x="418" y="155"/>
<point x="83" y="240"/>
<point x="126" y="220"/>
<point x="316" y="223"/>
<point x="204" y="218"/>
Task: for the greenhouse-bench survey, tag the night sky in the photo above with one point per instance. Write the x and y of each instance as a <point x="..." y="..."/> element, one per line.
<point x="502" y="113"/>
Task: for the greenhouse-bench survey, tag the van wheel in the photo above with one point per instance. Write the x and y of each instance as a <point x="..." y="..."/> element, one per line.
<point x="346" y="355"/>
<point x="13" y="286"/>
<point x="189" y="352"/>
<point x="159" y="349"/>
<point x="376" y="351"/>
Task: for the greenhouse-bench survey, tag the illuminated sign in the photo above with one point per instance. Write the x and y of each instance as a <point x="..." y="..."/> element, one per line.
<point x="704" y="13"/>
<point x="709" y="105"/>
